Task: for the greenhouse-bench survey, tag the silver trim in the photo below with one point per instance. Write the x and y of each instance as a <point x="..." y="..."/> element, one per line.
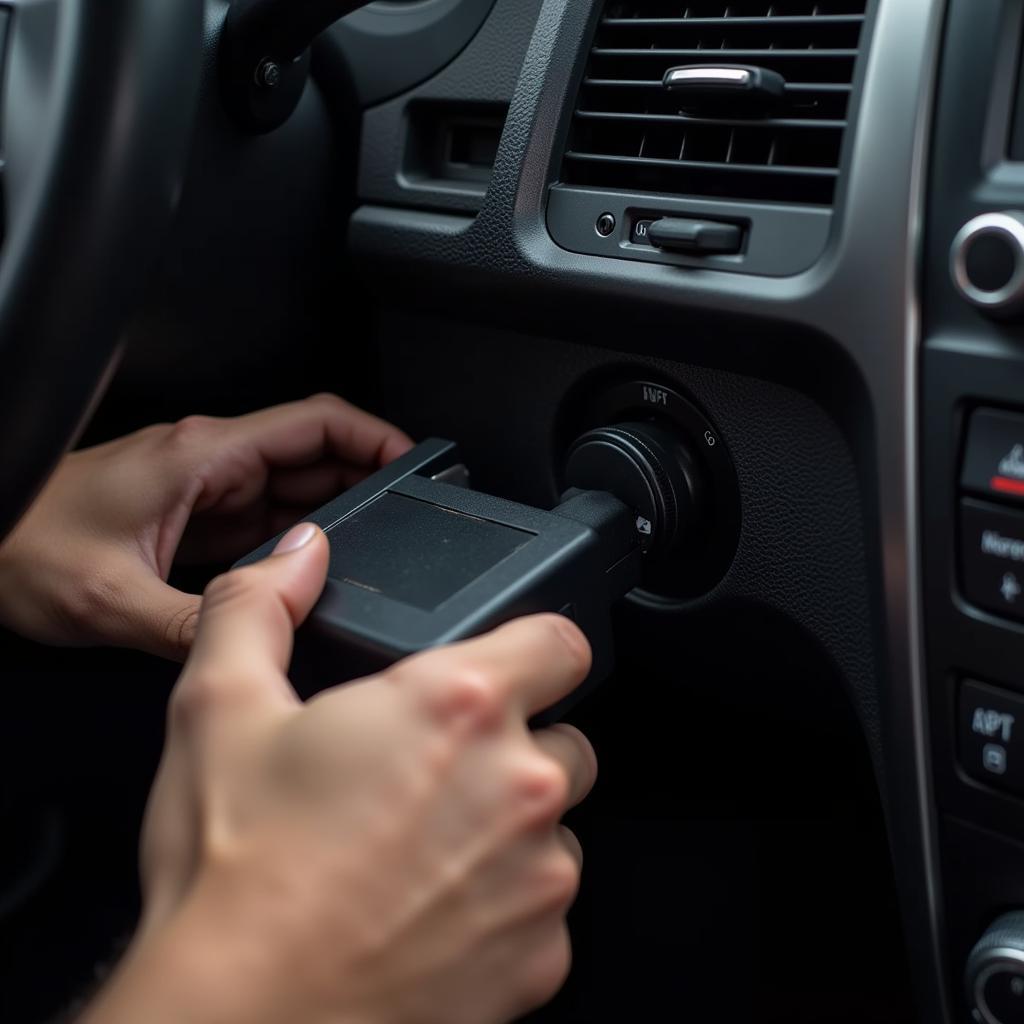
<point x="703" y="74"/>
<point x="994" y="960"/>
<point x="932" y="14"/>
<point x="1010" y="226"/>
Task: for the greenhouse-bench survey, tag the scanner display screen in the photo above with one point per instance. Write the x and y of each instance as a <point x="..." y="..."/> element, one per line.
<point x="415" y="552"/>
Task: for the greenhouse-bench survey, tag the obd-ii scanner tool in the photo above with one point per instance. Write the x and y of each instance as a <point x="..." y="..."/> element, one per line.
<point x="418" y="559"/>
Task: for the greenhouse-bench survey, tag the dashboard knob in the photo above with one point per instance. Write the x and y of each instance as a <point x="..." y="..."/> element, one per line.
<point x="995" y="972"/>
<point x="987" y="262"/>
<point x="648" y="468"/>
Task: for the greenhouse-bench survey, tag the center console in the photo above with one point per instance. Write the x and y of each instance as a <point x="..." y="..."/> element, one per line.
<point x="973" y="503"/>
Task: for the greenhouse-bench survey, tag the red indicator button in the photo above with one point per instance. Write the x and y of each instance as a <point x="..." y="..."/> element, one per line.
<point x="993" y="463"/>
<point x="1004" y="485"/>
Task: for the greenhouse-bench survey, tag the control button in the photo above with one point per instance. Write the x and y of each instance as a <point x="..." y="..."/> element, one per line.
<point x="995" y="973"/>
<point x="993" y="759"/>
<point x="1002" y="994"/>
<point x="992" y="558"/>
<point x="994" y="460"/>
<point x="990" y="263"/>
<point x="991" y="736"/>
<point x="987" y="262"/>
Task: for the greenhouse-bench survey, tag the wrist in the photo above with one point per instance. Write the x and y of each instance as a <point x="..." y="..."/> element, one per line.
<point x="197" y="968"/>
<point x="217" y="960"/>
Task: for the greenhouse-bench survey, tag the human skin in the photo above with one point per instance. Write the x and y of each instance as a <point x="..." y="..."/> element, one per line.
<point x="387" y="853"/>
<point x="89" y="561"/>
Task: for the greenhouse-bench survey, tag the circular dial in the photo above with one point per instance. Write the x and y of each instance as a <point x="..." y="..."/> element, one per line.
<point x="995" y="972"/>
<point x="645" y="466"/>
<point x="698" y="550"/>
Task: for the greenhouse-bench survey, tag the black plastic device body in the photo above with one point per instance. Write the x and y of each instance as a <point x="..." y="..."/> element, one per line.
<point x="418" y="561"/>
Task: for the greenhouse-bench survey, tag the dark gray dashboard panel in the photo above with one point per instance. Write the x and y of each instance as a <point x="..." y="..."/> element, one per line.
<point x="806" y="563"/>
<point x="860" y="300"/>
<point x="483" y="75"/>
<point x="430" y="33"/>
<point x="215" y="309"/>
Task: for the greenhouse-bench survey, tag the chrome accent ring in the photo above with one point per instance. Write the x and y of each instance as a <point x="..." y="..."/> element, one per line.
<point x="994" y="961"/>
<point x="1009" y="226"/>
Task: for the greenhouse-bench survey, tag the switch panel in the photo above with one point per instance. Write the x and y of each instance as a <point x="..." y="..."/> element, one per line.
<point x="992" y="557"/>
<point x="990" y="727"/>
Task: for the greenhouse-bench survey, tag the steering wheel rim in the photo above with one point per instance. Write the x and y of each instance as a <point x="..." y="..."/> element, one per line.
<point x="96" y="116"/>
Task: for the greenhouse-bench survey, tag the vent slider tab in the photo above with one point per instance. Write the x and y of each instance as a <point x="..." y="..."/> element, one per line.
<point x="702" y="85"/>
<point x="694" y="237"/>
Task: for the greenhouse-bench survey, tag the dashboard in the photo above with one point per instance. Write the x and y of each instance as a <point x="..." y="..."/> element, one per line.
<point x="794" y="232"/>
<point x="549" y="212"/>
<point x="516" y="184"/>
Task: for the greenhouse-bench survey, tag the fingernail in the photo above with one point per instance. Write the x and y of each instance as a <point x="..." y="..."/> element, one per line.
<point x="297" y="537"/>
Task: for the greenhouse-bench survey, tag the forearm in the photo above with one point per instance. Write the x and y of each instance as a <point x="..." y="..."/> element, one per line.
<point x="191" y="972"/>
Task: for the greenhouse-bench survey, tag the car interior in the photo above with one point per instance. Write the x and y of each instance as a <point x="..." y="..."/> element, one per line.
<point x="755" y="268"/>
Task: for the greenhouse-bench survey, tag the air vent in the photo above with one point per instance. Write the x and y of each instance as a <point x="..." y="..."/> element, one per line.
<point x="630" y="132"/>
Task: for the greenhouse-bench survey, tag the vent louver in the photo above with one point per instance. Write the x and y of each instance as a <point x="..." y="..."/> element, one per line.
<point x="629" y="132"/>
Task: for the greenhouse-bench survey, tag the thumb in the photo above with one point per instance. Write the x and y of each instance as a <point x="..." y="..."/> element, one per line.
<point x="248" y="617"/>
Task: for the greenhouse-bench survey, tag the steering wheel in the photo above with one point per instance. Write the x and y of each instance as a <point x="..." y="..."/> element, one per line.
<point x="95" y="117"/>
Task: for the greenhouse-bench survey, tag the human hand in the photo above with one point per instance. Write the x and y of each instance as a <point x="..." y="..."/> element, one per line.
<point x="89" y="561"/>
<point x="388" y="853"/>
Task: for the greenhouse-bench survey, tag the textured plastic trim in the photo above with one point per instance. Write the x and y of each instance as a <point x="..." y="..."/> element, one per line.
<point x="484" y="74"/>
<point x="392" y="47"/>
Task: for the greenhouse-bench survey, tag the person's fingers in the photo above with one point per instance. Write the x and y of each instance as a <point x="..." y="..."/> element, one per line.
<point x="238" y="526"/>
<point x="568" y="839"/>
<point x="529" y="664"/>
<point x="127" y="605"/>
<point x="310" y="486"/>
<point x="301" y="433"/>
<point x="163" y="620"/>
<point x="224" y="465"/>
<point x="248" y="620"/>
<point x="566" y="745"/>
